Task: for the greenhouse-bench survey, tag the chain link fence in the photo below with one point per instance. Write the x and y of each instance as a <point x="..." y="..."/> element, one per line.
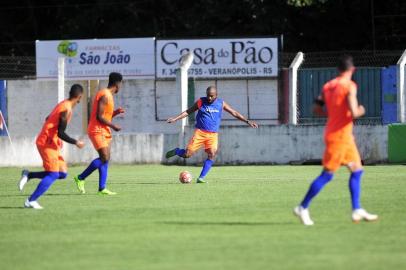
<point x="21" y="67"/>
<point x="319" y="67"/>
<point x="361" y="58"/>
<point x="17" y="67"/>
<point x="24" y="67"/>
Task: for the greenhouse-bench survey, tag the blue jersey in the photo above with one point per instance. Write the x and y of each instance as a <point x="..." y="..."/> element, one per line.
<point x="209" y="114"/>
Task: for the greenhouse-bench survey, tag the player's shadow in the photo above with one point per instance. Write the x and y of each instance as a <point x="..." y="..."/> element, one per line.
<point x="11" y="207"/>
<point x="63" y="194"/>
<point x="225" y="223"/>
<point x="47" y="194"/>
<point x="148" y="183"/>
<point x="14" y="195"/>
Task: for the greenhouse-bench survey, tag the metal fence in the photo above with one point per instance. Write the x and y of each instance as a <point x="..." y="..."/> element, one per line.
<point x="17" y="67"/>
<point x="24" y="67"/>
<point x="368" y="79"/>
<point x="361" y="58"/>
<point x="318" y="68"/>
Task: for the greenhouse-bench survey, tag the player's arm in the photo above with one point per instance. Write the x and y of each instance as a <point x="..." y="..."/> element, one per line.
<point x="238" y="115"/>
<point x="356" y="109"/>
<point x="63" y="123"/>
<point x="192" y="109"/>
<point x="318" y="106"/>
<point x="101" y="106"/>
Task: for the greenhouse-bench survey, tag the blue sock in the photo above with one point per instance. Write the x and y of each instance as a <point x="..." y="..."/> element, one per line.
<point x="95" y="164"/>
<point x="206" y="167"/>
<point x="355" y="188"/>
<point x="315" y="187"/>
<point x="103" y="169"/>
<point x="39" y="175"/>
<point x="180" y="152"/>
<point x="62" y="175"/>
<point x="44" y="185"/>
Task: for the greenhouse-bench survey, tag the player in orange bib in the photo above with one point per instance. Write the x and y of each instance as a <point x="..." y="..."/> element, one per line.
<point x="49" y="144"/>
<point x="99" y="132"/>
<point x="340" y="98"/>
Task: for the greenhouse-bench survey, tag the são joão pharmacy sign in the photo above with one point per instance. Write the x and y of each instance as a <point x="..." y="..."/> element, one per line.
<point x="96" y="58"/>
<point x="220" y="58"/>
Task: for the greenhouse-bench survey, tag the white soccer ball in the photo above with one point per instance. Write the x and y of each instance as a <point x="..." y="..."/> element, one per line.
<point x="185" y="177"/>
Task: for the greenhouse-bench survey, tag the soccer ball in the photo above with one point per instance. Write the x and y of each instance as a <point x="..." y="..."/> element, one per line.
<point x="185" y="177"/>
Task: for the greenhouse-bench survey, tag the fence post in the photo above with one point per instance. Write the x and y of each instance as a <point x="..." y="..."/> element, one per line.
<point x="401" y="99"/>
<point x="61" y="79"/>
<point x="182" y="87"/>
<point x="294" y="66"/>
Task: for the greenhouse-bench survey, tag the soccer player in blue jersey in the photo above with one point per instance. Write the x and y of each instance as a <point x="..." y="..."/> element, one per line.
<point x="209" y="111"/>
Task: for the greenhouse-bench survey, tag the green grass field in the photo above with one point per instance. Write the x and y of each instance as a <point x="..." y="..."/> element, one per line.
<point x="242" y="219"/>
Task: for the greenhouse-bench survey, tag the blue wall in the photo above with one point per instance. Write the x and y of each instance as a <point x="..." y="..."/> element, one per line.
<point x="389" y="95"/>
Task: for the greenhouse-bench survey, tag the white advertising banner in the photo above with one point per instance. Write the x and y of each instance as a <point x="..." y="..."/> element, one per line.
<point x="92" y="59"/>
<point x="220" y="58"/>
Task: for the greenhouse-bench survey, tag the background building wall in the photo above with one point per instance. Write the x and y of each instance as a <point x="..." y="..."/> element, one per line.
<point x="148" y="103"/>
<point x="238" y="145"/>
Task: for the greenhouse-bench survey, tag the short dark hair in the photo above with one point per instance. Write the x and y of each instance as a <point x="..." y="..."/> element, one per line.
<point x="75" y="91"/>
<point x="345" y="62"/>
<point x="210" y="88"/>
<point x="114" y="78"/>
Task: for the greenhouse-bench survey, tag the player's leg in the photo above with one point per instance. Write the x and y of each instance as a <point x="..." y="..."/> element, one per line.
<point x="51" y="163"/>
<point x="26" y="175"/>
<point x="42" y="187"/>
<point x="211" y="145"/>
<point x="180" y="152"/>
<point x="353" y="162"/>
<point x="316" y="186"/>
<point x="104" y="154"/>
<point x="194" y="144"/>
<point x="302" y="211"/>
<point x="331" y="162"/>
<point x="63" y="168"/>
<point x="98" y="143"/>
<point x="80" y="179"/>
<point x="94" y="165"/>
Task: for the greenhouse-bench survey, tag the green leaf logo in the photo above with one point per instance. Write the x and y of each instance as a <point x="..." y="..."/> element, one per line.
<point x="68" y="48"/>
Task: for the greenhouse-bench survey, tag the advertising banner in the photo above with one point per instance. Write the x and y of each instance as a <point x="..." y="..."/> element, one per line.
<point x="91" y="59"/>
<point x="220" y="58"/>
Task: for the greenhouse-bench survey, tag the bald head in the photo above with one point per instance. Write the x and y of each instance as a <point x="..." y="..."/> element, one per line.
<point x="211" y="93"/>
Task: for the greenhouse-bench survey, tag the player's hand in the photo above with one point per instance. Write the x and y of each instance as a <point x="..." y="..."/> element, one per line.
<point x="252" y="124"/>
<point x="171" y="120"/>
<point x="80" y="144"/>
<point x="361" y="110"/>
<point x="120" y="110"/>
<point x="116" y="128"/>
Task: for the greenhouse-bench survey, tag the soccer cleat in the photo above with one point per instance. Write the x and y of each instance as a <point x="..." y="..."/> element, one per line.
<point x="80" y="184"/>
<point x="361" y="214"/>
<point x="304" y="215"/>
<point x="23" y="180"/>
<point x="106" y="192"/>
<point x="171" y="153"/>
<point x="201" y="181"/>
<point x="32" y="204"/>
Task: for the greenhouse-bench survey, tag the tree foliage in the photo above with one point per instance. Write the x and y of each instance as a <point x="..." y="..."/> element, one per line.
<point x="308" y="25"/>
